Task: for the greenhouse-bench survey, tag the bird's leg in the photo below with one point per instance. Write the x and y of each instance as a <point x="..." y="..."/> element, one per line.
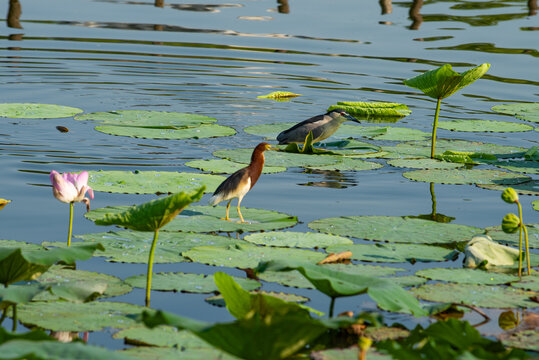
<point x="227" y="208"/>
<point x="239" y="212"/>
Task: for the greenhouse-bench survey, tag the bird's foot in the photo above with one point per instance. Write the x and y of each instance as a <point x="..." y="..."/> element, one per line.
<point x="242" y="222"/>
<point x="227" y="219"/>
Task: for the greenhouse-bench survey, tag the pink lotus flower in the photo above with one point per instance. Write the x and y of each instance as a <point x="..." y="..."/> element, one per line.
<point x="70" y="188"/>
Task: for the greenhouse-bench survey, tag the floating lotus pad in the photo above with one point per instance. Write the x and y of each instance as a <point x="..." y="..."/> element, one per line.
<point x="496" y="233"/>
<point x="523" y="339"/>
<point x="278" y="158"/>
<point x="134" y="246"/>
<point x="466" y="276"/>
<point x="487" y="296"/>
<point x="465" y="176"/>
<point x="395" y="253"/>
<point x="350" y="164"/>
<point x="223" y="166"/>
<point x="523" y="111"/>
<point x="36" y="111"/>
<point x="407" y="281"/>
<point x="202" y="131"/>
<point x="142" y="118"/>
<point x="423" y="164"/>
<point x="483" y="126"/>
<point x="163" y="336"/>
<point x="535" y="205"/>
<point x="191" y="283"/>
<point x="202" y="218"/>
<point x="529" y="282"/>
<point x="247" y="256"/>
<point x="81" y="278"/>
<point x="401" y="134"/>
<point x="527" y="188"/>
<point x="527" y="167"/>
<point x="66" y="316"/>
<point x="19" y="244"/>
<point x="151" y="182"/>
<point x="165" y="353"/>
<point x="351" y="353"/>
<point x="395" y="229"/>
<point x="422" y="148"/>
<point x="349" y="147"/>
<point x="296" y="239"/>
<point x="218" y="300"/>
<point x="279" y="95"/>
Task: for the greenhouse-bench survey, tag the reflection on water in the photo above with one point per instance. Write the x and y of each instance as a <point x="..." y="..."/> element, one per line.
<point x="334" y="179"/>
<point x="434" y="215"/>
<point x="14" y="14"/>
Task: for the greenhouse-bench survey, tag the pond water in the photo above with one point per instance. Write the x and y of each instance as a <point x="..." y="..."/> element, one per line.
<point x="215" y="59"/>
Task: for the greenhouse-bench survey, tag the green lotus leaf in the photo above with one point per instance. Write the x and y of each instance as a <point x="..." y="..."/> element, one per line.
<point x="488" y="296"/>
<point x="349" y="164"/>
<point x="385" y="293"/>
<point x="58" y="274"/>
<point x="279" y="95"/>
<point x="348" y="147"/>
<point x="223" y="166"/>
<point x="296" y="239"/>
<point x="402" y="134"/>
<point x="4" y="202"/>
<point x="407" y="281"/>
<point x="368" y="110"/>
<point x="395" y="253"/>
<point x="278" y="158"/>
<point x="533" y="153"/>
<point x="163" y="336"/>
<point x="444" y="81"/>
<point x="483" y="126"/>
<point x="527" y="167"/>
<point x="149" y="119"/>
<point x="19" y="294"/>
<point x="199" y="132"/>
<point x="247" y="256"/>
<point x="191" y="283"/>
<point x="530" y="282"/>
<point x="151" y="182"/>
<point x="473" y="176"/>
<point x="522" y="339"/>
<point x="423" y="164"/>
<point x="295" y="279"/>
<point x="55" y="350"/>
<point x="535" y="205"/>
<point x="203" y="218"/>
<point x="18" y="264"/>
<point x="351" y="353"/>
<point x="152" y="215"/>
<point x="395" y="229"/>
<point x="36" y="111"/>
<point x="162" y="353"/>
<point x="422" y="148"/>
<point x="466" y="276"/>
<point x="217" y="300"/>
<point x="523" y="111"/>
<point x="67" y="316"/>
<point x="462" y="157"/>
<point x="20" y="244"/>
<point x="496" y="233"/>
<point x="527" y="188"/>
<point x="385" y="333"/>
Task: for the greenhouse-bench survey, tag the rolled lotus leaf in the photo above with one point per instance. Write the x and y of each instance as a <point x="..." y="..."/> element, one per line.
<point x="482" y="248"/>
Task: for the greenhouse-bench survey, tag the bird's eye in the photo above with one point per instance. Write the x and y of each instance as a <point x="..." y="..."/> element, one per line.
<point x="343" y="113"/>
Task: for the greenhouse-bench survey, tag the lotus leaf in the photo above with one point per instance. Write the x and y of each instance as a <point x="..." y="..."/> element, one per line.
<point x="523" y="111"/>
<point x="151" y="182"/>
<point x="36" y="111"/>
<point x="161" y="353"/>
<point x="535" y="205"/>
<point x="395" y="229"/>
<point x="423" y="164"/>
<point x="527" y="167"/>
<point x="296" y="239"/>
<point x="223" y="166"/>
<point x="394" y="253"/>
<point x="19" y="294"/>
<point x="348" y="147"/>
<point x="66" y="316"/>
<point x="496" y="233"/>
<point x="523" y="339"/>
<point x="149" y="119"/>
<point x="466" y="276"/>
<point x="375" y="110"/>
<point x="218" y="300"/>
<point x="152" y="215"/>
<point x="487" y="296"/>
<point x="483" y="126"/>
<point x="247" y="256"/>
<point x="199" y="132"/>
<point x="401" y="134"/>
<point x="527" y="188"/>
<point x="351" y="353"/>
<point x="201" y="218"/>
<point x="473" y="176"/>
<point x="19" y="244"/>
<point x="349" y="164"/>
<point x="334" y="284"/>
<point x="163" y="336"/>
<point x="279" y="95"/>
<point x="528" y="282"/>
<point x="191" y="283"/>
<point x="407" y="281"/>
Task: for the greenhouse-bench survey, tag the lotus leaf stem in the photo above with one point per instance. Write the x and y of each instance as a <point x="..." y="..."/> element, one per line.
<point x="70" y="224"/>
<point x="14" y="326"/>
<point x="522" y="228"/>
<point x="476" y="309"/>
<point x="434" y="127"/>
<point x="150" y="268"/>
<point x="331" y="306"/>
<point x="4" y="314"/>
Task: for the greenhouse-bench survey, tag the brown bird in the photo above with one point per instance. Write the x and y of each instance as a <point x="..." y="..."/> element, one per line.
<point x="239" y="183"/>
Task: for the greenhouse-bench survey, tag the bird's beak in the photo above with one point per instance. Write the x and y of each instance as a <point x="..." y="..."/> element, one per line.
<point x="268" y="147"/>
<point x="351" y="118"/>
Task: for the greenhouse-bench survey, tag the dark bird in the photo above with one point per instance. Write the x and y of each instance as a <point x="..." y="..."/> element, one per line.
<point x="322" y="127"/>
<point x="243" y="180"/>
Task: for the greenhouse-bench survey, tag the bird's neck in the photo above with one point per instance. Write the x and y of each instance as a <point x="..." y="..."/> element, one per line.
<point x="256" y="166"/>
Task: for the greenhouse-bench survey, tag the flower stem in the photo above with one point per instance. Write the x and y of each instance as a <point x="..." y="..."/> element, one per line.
<point x="70" y="224"/>
<point x="331" y="306"/>
<point x="150" y="268"/>
<point x="434" y="127"/>
<point x="527" y="249"/>
<point x="522" y="227"/>
<point x="14" y="326"/>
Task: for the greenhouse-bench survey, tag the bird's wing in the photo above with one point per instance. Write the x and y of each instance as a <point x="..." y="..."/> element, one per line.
<point x="301" y="130"/>
<point x="305" y="122"/>
<point x="231" y="187"/>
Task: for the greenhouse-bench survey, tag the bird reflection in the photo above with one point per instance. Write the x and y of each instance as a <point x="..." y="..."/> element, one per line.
<point x="14" y="14"/>
<point x="434" y="216"/>
<point x="283" y="7"/>
<point x="334" y="179"/>
<point x="387" y="7"/>
<point x="417" y="18"/>
<point x="532" y="7"/>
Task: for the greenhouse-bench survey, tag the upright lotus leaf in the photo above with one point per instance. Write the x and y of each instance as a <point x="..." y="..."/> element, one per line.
<point x="18" y="264"/>
<point x="384" y="292"/>
<point x="4" y="202"/>
<point x="441" y="83"/>
<point x="376" y="110"/>
<point x="151" y="216"/>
